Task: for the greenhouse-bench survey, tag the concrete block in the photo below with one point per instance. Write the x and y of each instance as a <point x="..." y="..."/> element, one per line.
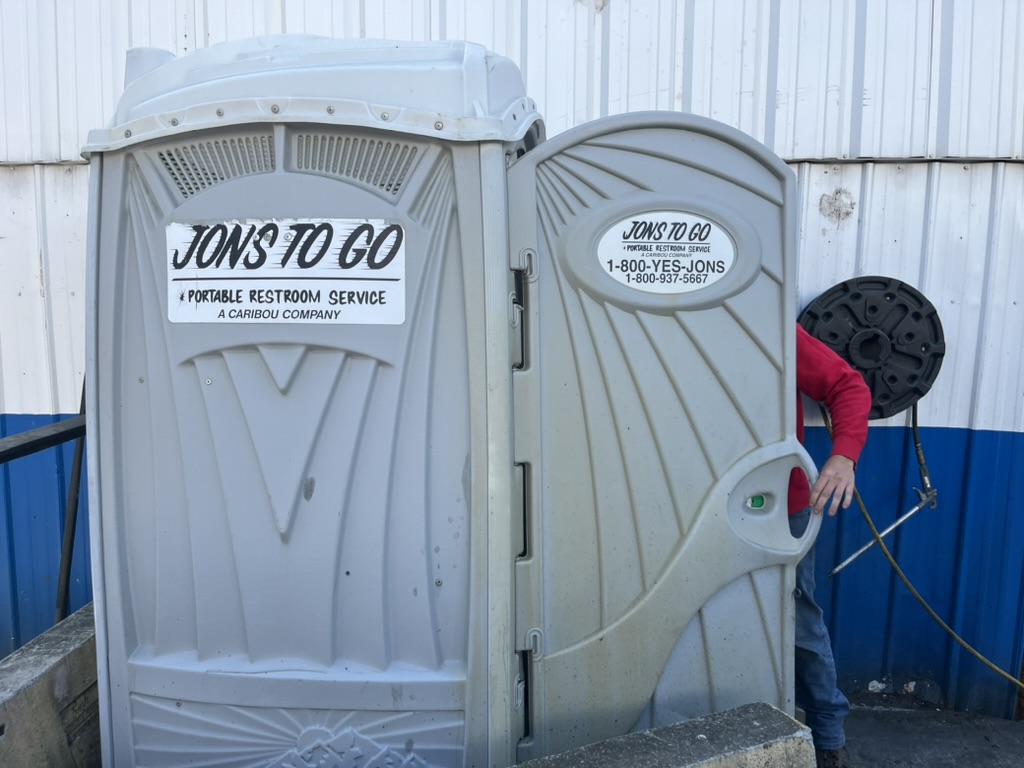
<point x="49" y="712"/>
<point x="751" y="736"/>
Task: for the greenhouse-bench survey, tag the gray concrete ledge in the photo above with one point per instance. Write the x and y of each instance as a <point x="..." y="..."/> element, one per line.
<point x="751" y="736"/>
<point x="49" y="713"/>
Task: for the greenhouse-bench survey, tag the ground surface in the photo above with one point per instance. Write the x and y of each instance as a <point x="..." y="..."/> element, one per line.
<point x="890" y="732"/>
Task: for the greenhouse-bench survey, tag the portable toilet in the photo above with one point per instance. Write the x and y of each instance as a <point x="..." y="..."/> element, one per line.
<point x="415" y="439"/>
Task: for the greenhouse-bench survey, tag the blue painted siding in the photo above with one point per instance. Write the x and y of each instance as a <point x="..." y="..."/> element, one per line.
<point x="33" y="495"/>
<point x="966" y="558"/>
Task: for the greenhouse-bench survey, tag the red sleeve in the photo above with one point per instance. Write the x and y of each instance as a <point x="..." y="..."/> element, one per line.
<point x="824" y="376"/>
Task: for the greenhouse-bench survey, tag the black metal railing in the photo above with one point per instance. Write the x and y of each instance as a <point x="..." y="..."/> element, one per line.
<point x="39" y="439"/>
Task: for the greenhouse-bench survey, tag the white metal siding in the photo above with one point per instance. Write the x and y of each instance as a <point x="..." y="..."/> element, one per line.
<point x="811" y="79"/>
<point x="42" y="288"/>
<point x="953" y="231"/>
<point x="874" y="78"/>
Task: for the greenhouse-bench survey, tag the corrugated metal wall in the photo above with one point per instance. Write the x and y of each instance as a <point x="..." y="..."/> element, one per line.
<point x="811" y="79"/>
<point x="912" y="110"/>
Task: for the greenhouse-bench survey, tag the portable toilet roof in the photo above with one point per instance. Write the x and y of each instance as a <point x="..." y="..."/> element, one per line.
<point x="453" y="90"/>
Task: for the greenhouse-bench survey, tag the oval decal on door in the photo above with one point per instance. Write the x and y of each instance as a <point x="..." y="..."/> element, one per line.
<point x="666" y="252"/>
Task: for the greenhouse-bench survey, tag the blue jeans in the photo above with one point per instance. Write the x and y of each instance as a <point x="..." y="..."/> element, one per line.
<point x="824" y="705"/>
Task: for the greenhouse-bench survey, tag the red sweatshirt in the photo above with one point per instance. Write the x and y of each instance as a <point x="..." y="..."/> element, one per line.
<point x="824" y="376"/>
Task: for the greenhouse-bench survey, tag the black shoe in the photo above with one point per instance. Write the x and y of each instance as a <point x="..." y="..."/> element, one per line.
<point x="830" y="758"/>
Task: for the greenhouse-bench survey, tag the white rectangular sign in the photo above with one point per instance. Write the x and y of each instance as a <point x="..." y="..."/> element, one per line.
<point x="349" y="271"/>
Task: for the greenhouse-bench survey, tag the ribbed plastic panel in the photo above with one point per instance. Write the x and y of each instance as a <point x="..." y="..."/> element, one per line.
<point x="655" y="421"/>
<point x="296" y="563"/>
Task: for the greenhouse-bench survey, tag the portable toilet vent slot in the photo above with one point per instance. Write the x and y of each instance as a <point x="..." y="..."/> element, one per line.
<point x="376" y="163"/>
<point x="195" y="166"/>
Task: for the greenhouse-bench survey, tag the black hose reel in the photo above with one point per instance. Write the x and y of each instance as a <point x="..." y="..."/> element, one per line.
<point x="891" y="334"/>
<point x="886" y="330"/>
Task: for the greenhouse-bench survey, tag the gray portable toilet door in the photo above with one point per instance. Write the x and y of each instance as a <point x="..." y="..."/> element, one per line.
<point x="654" y="418"/>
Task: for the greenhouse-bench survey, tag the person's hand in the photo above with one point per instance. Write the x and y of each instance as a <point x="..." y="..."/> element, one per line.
<point x="836" y="480"/>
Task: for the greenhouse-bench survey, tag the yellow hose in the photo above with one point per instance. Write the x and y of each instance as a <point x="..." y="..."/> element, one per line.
<point x="924" y="604"/>
<point x="903" y="577"/>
